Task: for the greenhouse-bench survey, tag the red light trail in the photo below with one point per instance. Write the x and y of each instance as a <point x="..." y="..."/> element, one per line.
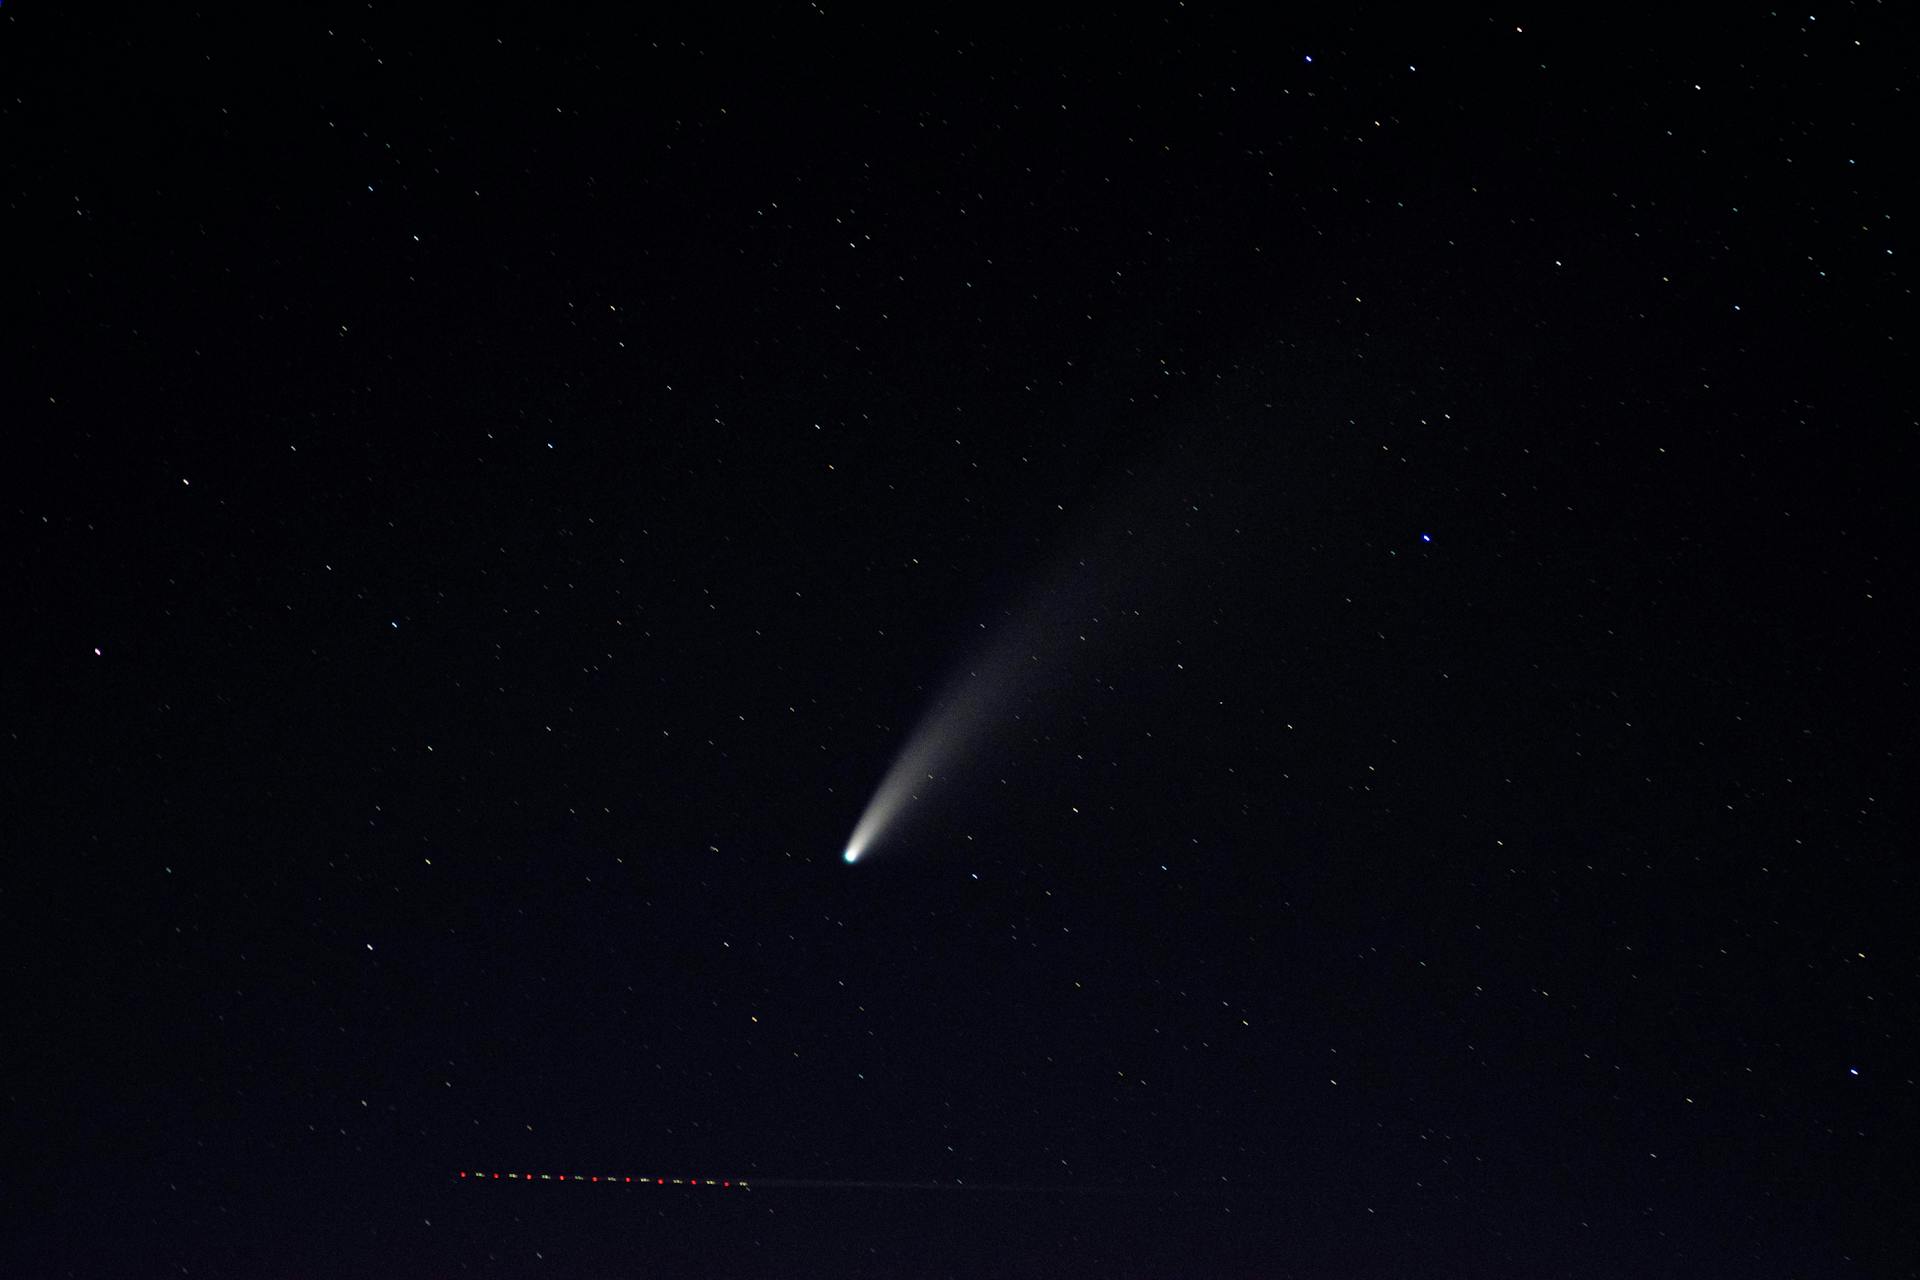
<point x="620" y="1178"/>
<point x="800" y="1184"/>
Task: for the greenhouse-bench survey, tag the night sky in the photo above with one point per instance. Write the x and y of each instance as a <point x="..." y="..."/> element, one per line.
<point x="1375" y="549"/>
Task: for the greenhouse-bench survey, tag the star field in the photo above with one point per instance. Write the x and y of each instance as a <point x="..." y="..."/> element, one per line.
<point x="1361" y="561"/>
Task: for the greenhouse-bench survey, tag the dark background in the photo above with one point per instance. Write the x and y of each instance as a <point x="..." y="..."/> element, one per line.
<point x="489" y="496"/>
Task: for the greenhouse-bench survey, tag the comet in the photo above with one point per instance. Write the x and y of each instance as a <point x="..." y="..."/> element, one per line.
<point x="1138" y="544"/>
<point x="986" y="696"/>
<point x="947" y="730"/>
<point x="937" y="738"/>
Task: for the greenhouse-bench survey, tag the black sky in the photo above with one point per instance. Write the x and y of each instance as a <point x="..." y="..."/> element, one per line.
<point x="490" y="495"/>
